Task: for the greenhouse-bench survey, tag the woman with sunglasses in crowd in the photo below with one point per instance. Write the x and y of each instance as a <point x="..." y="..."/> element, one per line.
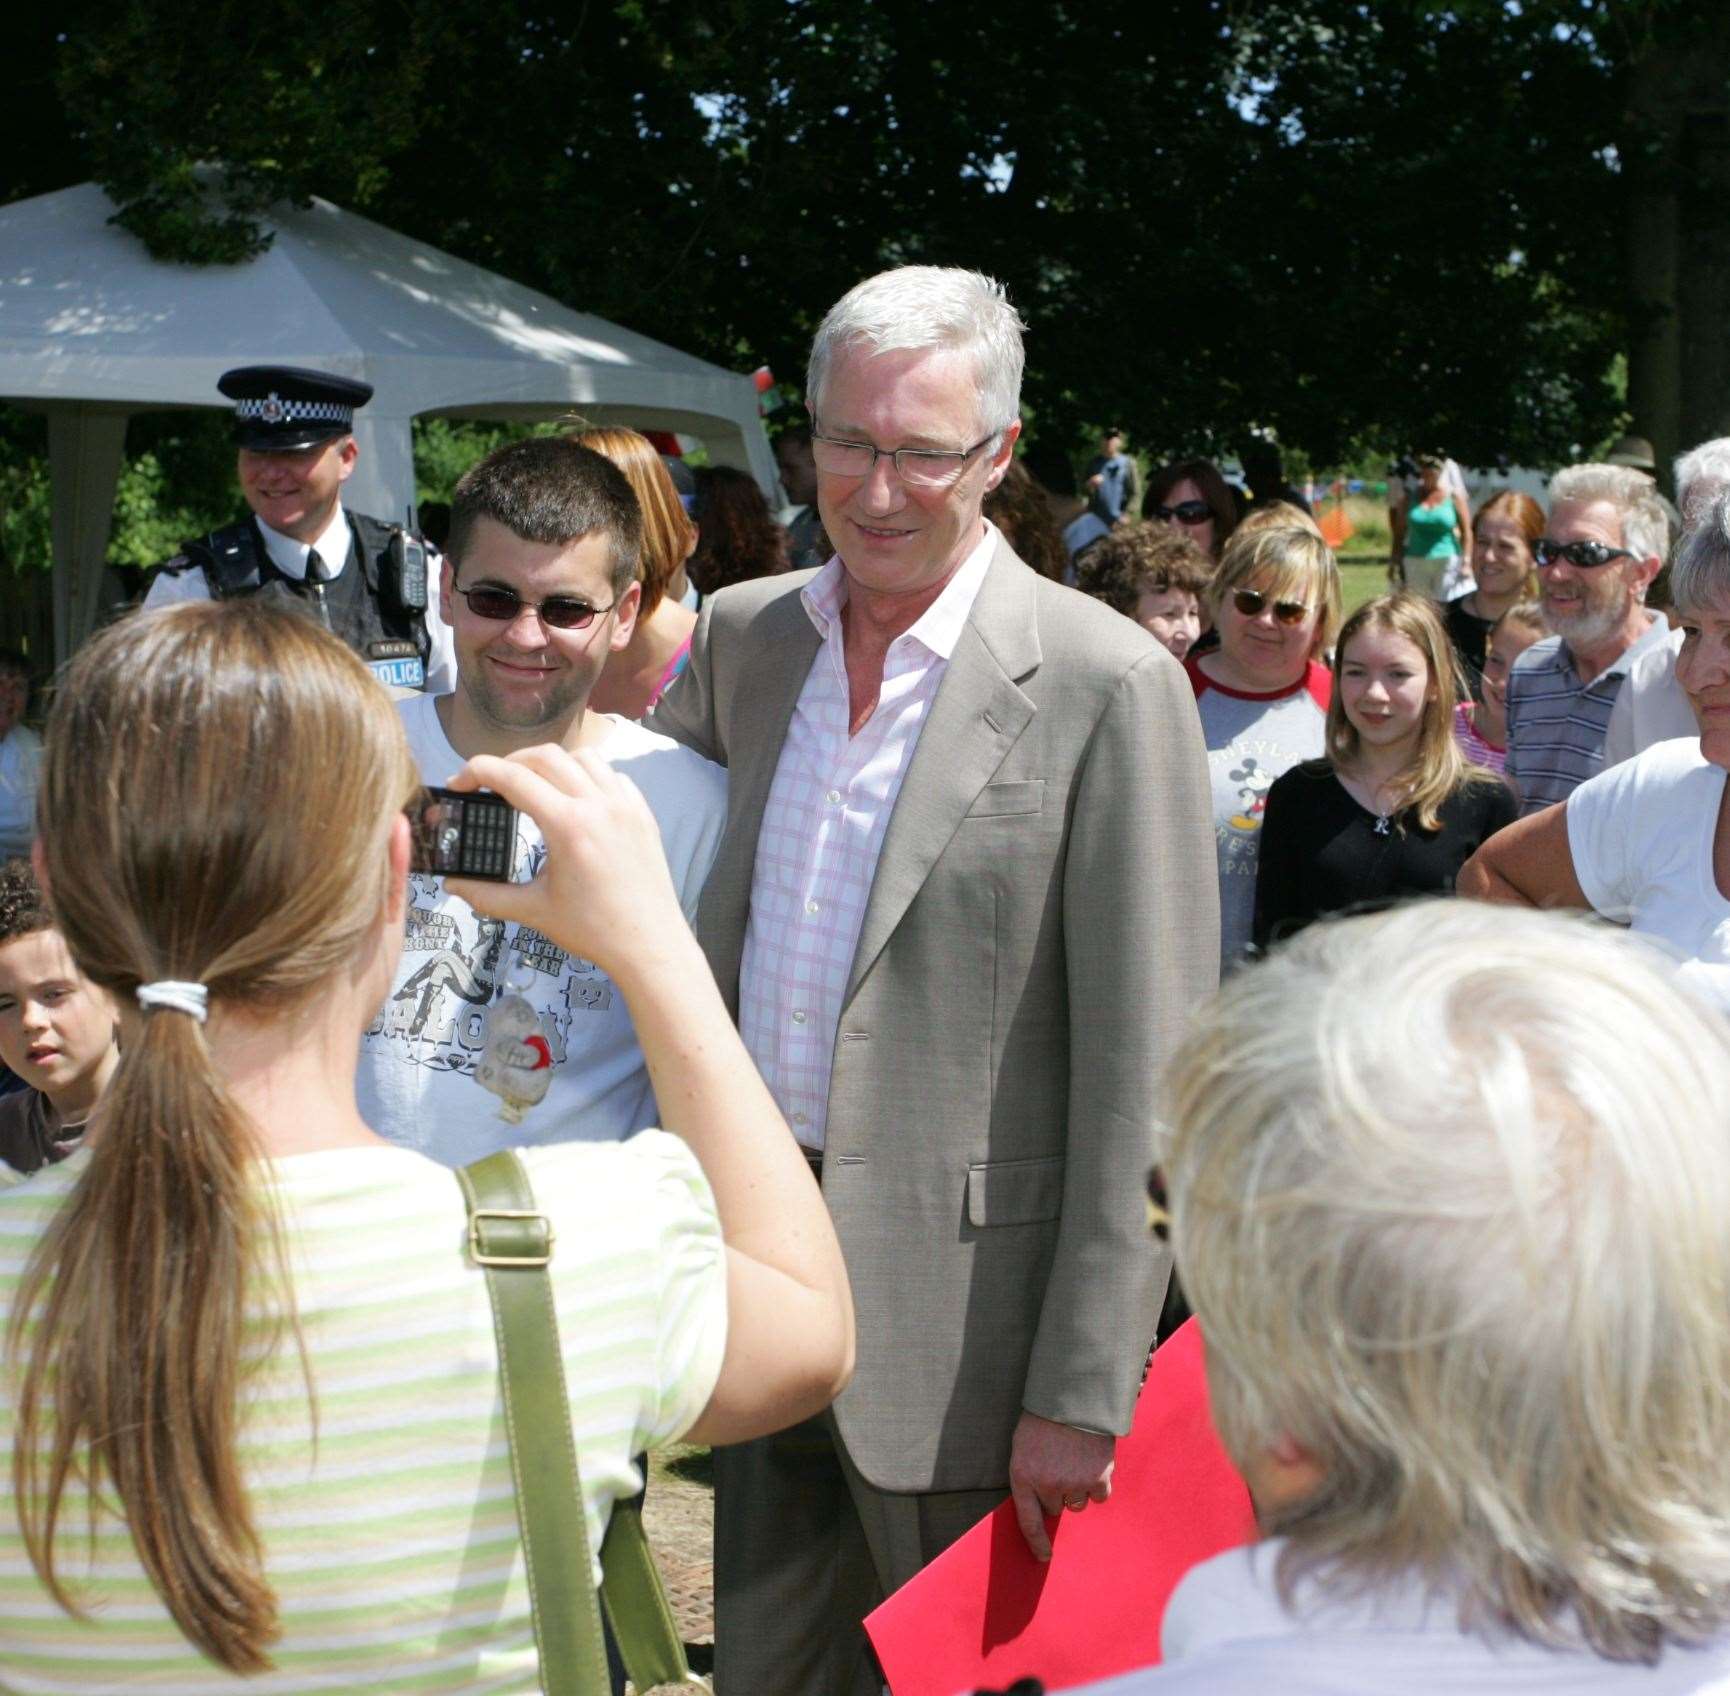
<point x="1394" y="808"/>
<point x="1647" y="843"/>
<point x="253" y="1421"/>
<point x="1191" y="496"/>
<point x="1262" y="695"/>
<point x="639" y="674"/>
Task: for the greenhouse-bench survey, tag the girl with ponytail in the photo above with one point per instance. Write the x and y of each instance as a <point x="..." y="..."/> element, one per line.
<point x="251" y="1410"/>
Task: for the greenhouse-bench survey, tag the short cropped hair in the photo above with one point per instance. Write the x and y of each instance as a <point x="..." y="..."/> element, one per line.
<point x="929" y="306"/>
<point x="1702" y="474"/>
<point x="1283" y="560"/>
<point x="22" y="907"/>
<point x="1447" y="1190"/>
<point x="1700" y="572"/>
<point x="1645" y="527"/>
<point x="553" y="490"/>
<point x="1142" y="559"/>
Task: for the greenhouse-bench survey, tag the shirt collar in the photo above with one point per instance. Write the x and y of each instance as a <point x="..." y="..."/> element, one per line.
<point x="938" y="628"/>
<point x="1655" y="632"/>
<point x="289" y="556"/>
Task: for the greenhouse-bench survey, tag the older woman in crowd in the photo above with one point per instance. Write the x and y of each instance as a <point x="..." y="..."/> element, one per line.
<point x="1447" y="1188"/>
<point x="1647" y="842"/>
<point x="1262" y="694"/>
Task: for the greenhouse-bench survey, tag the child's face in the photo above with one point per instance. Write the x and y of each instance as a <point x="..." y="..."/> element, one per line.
<point x="56" y="1026"/>
<point x="1171" y="616"/>
<point x="1506" y="645"/>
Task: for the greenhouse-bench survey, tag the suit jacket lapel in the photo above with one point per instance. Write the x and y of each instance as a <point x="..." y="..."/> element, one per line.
<point x="975" y="720"/>
<point x="760" y="712"/>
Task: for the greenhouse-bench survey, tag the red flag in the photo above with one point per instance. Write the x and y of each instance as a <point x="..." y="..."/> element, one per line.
<point x="986" y="1612"/>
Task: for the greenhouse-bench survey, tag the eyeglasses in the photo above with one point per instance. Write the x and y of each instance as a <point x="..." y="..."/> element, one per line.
<point x="918" y="468"/>
<point x="1587" y="555"/>
<point x="1185" y="512"/>
<point x="1251" y="601"/>
<point x="557" y="612"/>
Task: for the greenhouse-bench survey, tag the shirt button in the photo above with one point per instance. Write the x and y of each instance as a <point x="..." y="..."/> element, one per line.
<point x="811" y="907"/>
<point x="834" y="797"/>
<point x="798" y="1015"/>
<point x="800" y="1119"/>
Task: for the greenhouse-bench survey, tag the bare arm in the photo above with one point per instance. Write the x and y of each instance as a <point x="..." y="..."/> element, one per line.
<point x="1528" y="864"/>
<point x="1465" y="517"/>
<point x="605" y="894"/>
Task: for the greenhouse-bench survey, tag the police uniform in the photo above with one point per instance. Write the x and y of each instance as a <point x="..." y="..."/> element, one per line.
<point x="350" y="577"/>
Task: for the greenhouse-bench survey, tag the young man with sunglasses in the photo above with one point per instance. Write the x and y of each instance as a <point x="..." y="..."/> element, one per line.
<point x="539" y="587"/>
<point x="1606" y="538"/>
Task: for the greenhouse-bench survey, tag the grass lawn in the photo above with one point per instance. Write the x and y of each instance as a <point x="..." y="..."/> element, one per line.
<point x="1364" y="558"/>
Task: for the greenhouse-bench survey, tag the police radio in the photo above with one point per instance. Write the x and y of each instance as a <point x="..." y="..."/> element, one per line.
<point x="408" y="566"/>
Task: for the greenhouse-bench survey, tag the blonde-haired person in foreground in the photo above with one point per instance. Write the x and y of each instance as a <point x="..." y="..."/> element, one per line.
<point x="244" y="1324"/>
<point x="1463" y="1271"/>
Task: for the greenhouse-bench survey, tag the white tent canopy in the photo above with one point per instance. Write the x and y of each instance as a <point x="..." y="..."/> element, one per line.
<point x="93" y="329"/>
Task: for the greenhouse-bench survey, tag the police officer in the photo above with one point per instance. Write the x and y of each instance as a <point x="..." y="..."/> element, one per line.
<point x="363" y="579"/>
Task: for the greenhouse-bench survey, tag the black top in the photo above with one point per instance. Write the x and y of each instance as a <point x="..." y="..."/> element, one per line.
<point x="1470" y="636"/>
<point x="27" y="1141"/>
<point x="1321" y="852"/>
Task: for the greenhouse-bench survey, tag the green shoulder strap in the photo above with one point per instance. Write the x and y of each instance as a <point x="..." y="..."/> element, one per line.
<point x="513" y="1241"/>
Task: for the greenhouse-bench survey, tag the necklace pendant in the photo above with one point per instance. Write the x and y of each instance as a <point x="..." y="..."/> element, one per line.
<point x="1381" y="824"/>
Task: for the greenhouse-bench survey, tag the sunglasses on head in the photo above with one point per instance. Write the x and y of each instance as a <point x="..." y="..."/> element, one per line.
<point x="1586" y="554"/>
<point x="1251" y="601"/>
<point x="1185" y="512"/>
<point x="557" y="612"/>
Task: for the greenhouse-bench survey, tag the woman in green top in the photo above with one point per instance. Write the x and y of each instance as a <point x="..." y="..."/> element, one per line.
<point x="1433" y="536"/>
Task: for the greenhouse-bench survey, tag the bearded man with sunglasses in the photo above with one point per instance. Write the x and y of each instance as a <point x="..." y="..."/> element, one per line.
<point x="539" y="586"/>
<point x="1606" y="539"/>
<point x="964" y="904"/>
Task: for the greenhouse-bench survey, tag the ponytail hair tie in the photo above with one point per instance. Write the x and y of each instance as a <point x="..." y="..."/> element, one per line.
<point x="190" y="998"/>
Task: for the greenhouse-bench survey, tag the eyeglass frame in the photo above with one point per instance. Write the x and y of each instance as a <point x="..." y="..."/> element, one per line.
<point x="1559" y="550"/>
<point x="1266" y="603"/>
<point x="1165" y="514"/>
<point x="893" y="455"/>
<point x="536" y="607"/>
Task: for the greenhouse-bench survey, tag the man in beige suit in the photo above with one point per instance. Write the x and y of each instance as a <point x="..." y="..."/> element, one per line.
<point x="964" y="902"/>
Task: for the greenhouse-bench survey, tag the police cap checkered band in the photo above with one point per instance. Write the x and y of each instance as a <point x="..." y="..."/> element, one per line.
<point x="274" y="409"/>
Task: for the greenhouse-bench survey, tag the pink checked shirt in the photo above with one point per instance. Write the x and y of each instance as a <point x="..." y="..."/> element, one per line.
<point x="822" y="831"/>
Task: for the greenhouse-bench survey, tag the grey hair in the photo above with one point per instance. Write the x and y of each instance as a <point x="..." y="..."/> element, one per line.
<point x="1700" y="572"/>
<point x="1645" y="525"/>
<point x="1448" y="1189"/>
<point x="1702" y="474"/>
<point x="929" y="306"/>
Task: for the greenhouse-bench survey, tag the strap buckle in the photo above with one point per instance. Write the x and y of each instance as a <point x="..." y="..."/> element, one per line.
<point x="479" y="1255"/>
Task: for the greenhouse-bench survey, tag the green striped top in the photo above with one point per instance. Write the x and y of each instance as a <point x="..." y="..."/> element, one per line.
<point x="392" y="1544"/>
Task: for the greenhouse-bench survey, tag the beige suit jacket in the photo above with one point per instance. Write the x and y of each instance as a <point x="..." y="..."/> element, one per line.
<point x="1044" y="916"/>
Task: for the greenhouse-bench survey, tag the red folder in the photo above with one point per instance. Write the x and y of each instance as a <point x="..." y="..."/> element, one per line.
<point x="985" y="1612"/>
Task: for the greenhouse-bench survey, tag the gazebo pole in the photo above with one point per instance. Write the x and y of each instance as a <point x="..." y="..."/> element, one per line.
<point x="85" y="446"/>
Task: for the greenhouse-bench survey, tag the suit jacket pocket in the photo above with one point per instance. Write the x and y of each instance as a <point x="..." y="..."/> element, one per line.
<point x="1015" y="1192"/>
<point x="1000" y="800"/>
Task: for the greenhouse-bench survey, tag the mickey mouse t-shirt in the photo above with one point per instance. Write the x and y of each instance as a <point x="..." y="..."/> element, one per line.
<point x="1251" y="740"/>
<point x="417" y="1083"/>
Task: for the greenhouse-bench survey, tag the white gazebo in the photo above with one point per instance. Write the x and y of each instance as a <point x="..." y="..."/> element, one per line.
<point x="92" y="329"/>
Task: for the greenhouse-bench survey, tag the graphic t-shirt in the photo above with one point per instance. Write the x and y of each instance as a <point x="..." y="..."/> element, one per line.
<point x="1251" y="740"/>
<point x="416" y="1083"/>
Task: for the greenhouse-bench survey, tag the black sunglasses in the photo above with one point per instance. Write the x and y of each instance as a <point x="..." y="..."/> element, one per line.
<point x="557" y="612"/>
<point x="1185" y="512"/>
<point x="1588" y="555"/>
<point x="1251" y="601"/>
